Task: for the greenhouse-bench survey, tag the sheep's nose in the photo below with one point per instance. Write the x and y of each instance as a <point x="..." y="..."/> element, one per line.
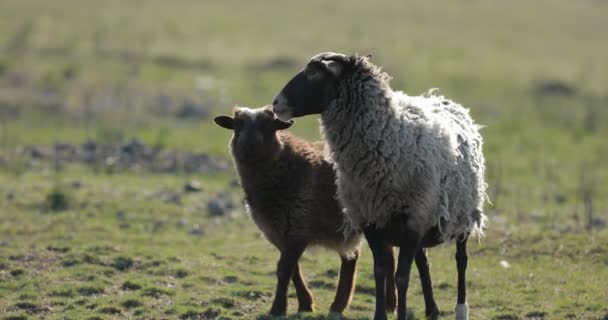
<point x="275" y="101"/>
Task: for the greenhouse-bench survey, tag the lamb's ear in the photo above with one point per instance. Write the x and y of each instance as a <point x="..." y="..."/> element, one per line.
<point x="281" y="125"/>
<point x="335" y="67"/>
<point x="224" y="122"/>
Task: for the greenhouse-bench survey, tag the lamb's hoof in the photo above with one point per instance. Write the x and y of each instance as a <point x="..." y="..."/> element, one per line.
<point x="306" y="308"/>
<point x="462" y="311"/>
<point x="332" y="315"/>
<point x="277" y="312"/>
<point x="391" y="306"/>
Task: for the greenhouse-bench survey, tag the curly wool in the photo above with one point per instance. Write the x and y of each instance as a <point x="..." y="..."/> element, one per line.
<point x="395" y="154"/>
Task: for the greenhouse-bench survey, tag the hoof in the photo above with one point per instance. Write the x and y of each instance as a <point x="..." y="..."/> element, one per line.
<point x="432" y="314"/>
<point x="381" y="316"/>
<point x="391" y="306"/>
<point x="306" y="308"/>
<point x="277" y="312"/>
<point x="332" y="315"/>
<point x="462" y="311"/>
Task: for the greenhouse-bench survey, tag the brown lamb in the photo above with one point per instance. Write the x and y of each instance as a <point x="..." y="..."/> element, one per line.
<point x="290" y="193"/>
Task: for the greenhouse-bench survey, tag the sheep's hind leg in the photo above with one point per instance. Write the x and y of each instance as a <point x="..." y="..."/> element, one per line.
<point x="391" y="290"/>
<point x="376" y="242"/>
<point x="346" y="283"/>
<point x="409" y="247"/>
<point x="462" y="308"/>
<point x="305" y="300"/>
<point x="285" y="267"/>
<point x="422" y="263"/>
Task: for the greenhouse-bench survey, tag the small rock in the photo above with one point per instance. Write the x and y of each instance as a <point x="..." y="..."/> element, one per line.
<point x="134" y="147"/>
<point x="10" y="196"/>
<point x="196" y="230"/>
<point x="121" y="215"/>
<point x="89" y="145"/>
<point x="193" y="186"/>
<point x="76" y="184"/>
<point x="169" y="196"/>
<point x="505" y="264"/>
<point x="191" y="110"/>
<point x="216" y="207"/>
<point x="182" y="222"/>
<point x="598" y="223"/>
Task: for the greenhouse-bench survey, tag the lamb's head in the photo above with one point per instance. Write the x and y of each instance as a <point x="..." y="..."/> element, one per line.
<point x="314" y="88"/>
<point x="255" y="132"/>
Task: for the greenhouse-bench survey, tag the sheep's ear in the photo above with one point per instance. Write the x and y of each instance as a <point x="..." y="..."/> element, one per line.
<point x="282" y="125"/>
<point x="333" y="66"/>
<point x="224" y="122"/>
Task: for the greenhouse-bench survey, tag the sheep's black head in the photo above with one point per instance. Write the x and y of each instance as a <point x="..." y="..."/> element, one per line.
<point x="314" y="88"/>
<point x="255" y="132"/>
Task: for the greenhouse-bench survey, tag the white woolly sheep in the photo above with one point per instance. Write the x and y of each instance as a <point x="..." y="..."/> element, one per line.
<point x="410" y="170"/>
<point x="290" y="193"/>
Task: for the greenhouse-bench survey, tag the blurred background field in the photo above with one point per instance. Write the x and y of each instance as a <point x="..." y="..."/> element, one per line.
<point x="117" y="192"/>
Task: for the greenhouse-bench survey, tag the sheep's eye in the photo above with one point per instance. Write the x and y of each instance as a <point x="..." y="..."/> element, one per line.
<point x="313" y="74"/>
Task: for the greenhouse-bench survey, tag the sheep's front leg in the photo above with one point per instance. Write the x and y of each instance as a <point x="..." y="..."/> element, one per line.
<point x="462" y="309"/>
<point x="346" y="283"/>
<point x="376" y="242"/>
<point x="305" y="300"/>
<point x="285" y="267"/>
<point x="422" y="263"/>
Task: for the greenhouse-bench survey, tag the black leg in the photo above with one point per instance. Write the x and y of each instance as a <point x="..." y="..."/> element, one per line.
<point x="285" y="267"/>
<point x="462" y="309"/>
<point x="391" y="290"/>
<point x="409" y="246"/>
<point x="422" y="263"/>
<point x="305" y="300"/>
<point x="375" y="240"/>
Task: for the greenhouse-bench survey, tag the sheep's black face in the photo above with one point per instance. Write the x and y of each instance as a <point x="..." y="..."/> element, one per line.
<point x="255" y="131"/>
<point x="313" y="89"/>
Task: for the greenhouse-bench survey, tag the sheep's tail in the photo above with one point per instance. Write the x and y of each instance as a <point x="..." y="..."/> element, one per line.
<point x="479" y="226"/>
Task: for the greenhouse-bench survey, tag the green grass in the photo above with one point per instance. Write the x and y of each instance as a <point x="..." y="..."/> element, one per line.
<point x="91" y="260"/>
<point x="115" y="251"/>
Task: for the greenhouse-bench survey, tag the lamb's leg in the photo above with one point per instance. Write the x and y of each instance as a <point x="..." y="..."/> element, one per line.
<point x="375" y="240"/>
<point x="391" y="290"/>
<point x="305" y="300"/>
<point x="409" y="246"/>
<point x="346" y="283"/>
<point x="285" y="267"/>
<point x="422" y="263"/>
<point x="462" y="309"/>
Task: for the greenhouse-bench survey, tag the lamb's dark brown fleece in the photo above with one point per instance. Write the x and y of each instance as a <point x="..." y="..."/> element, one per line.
<point x="290" y="193"/>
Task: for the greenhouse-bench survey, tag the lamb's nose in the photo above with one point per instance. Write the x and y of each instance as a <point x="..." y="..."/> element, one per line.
<point x="275" y="101"/>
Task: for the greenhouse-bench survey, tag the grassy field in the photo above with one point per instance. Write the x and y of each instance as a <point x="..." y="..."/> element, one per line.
<point x="81" y="241"/>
